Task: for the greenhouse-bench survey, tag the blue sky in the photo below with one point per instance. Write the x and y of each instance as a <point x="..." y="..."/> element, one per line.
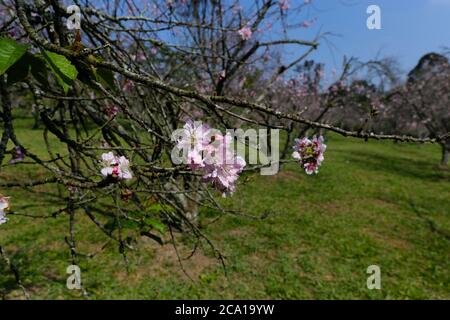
<point x="410" y="28"/>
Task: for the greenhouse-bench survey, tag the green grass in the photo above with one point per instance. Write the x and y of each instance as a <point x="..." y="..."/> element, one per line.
<point x="372" y="203"/>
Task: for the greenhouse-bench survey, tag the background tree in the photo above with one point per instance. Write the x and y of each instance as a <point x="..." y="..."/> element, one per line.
<point x="421" y="105"/>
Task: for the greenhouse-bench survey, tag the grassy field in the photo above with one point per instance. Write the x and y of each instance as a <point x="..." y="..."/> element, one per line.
<point x="372" y="203"/>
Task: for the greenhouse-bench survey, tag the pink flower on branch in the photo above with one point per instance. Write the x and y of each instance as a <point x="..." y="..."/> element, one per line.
<point x="284" y="4"/>
<point x="128" y="85"/>
<point x="245" y="33"/>
<point x="193" y="136"/>
<point x="112" y="111"/>
<point x="222" y="165"/>
<point x="222" y="75"/>
<point x="310" y="153"/>
<point x="4" y="205"/>
<point x="212" y="154"/>
<point x="17" y="155"/>
<point x="117" y="167"/>
<point x="139" y="56"/>
<point x="308" y="23"/>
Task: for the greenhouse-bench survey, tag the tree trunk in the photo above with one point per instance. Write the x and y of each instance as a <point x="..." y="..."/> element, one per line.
<point x="189" y="204"/>
<point x="445" y="153"/>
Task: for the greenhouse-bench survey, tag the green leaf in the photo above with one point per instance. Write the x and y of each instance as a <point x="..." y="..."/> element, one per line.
<point x="105" y="77"/>
<point x="112" y="224"/>
<point x="155" y="224"/>
<point x="10" y="53"/>
<point x="158" y="208"/>
<point x="19" y="70"/>
<point x="29" y="62"/>
<point x="39" y="70"/>
<point x="63" y="69"/>
<point x="102" y="75"/>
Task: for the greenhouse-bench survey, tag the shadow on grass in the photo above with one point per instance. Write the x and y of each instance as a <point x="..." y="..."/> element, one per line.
<point x="8" y="281"/>
<point x="397" y="165"/>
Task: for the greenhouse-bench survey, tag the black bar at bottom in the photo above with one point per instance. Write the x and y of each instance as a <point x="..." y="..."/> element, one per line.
<point x="230" y="309"/>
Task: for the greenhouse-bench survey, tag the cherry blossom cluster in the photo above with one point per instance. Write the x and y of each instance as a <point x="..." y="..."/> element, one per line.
<point x="284" y="4"/>
<point x="211" y="153"/>
<point x="245" y="33"/>
<point x="310" y="153"/>
<point x="17" y="155"/>
<point x="117" y="167"/>
<point x="4" y="206"/>
<point x="112" y="111"/>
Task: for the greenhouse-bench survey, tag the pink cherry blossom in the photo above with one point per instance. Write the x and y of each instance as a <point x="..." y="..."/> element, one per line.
<point x="128" y="85"/>
<point x="222" y="75"/>
<point x="112" y="111"/>
<point x="124" y="171"/>
<point x="307" y="23"/>
<point x="284" y="4"/>
<point x="139" y="56"/>
<point x="117" y="167"/>
<point x="194" y="136"/>
<point x="310" y="153"/>
<point x="245" y="33"/>
<point x="214" y="158"/>
<point x="4" y="205"/>
<point x="195" y="159"/>
<point x="17" y="155"/>
<point x="109" y="161"/>
<point x="222" y="165"/>
<point x="224" y="175"/>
